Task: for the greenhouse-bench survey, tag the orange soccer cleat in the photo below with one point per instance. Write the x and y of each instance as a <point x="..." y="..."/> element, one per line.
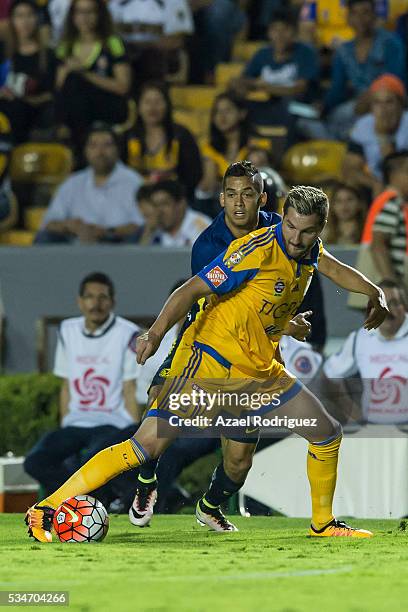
<point x="39" y="521"/>
<point x="337" y="528"/>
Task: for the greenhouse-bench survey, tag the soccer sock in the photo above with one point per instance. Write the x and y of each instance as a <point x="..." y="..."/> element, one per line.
<point x="322" y="460"/>
<point x="99" y="470"/>
<point x="220" y="489"/>
<point x="147" y="471"/>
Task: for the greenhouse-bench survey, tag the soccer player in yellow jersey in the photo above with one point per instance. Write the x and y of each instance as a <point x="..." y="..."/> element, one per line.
<point x="253" y="289"/>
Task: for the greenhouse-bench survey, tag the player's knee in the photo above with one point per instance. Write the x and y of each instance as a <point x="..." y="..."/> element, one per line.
<point x="238" y="466"/>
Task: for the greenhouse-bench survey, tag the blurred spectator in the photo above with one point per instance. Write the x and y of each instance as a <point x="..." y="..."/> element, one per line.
<point x="379" y="357"/>
<point x="388" y="220"/>
<point x="217" y="23"/>
<point x="57" y="13"/>
<point x="346" y="216"/>
<point x="8" y="202"/>
<point x="274" y="185"/>
<point x="96" y="361"/>
<point x="159" y="147"/>
<point x="357" y="63"/>
<point x="154" y="33"/>
<point x="94" y="73"/>
<point x="179" y="225"/>
<point x="285" y="71"/>
<point x="29" y="72"/>
<point x="377" y="134"/>
<point x="231" y="136"/>
<point x="98" y="203"/>
<point x="150" y="213"/>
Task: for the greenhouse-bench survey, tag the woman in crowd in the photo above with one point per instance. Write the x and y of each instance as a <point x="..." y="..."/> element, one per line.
<point x="94" y="77"/>
<point x="347" y="215"/>
<point x="231" y="138"/>
<point x="29" y="71"/>
<point x="158" y="147"/>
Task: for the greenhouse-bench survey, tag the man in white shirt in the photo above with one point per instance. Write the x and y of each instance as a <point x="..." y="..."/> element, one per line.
<point x="179" y="224"/>
<point x="380" y="358"/>
<point x="95" y="359"/>
<point x="98" y="203"/>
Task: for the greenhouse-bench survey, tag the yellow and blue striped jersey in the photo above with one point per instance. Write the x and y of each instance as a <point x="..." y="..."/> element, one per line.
<point x="257" y="289"/>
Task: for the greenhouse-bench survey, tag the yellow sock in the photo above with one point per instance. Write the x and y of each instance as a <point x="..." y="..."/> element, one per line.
<point x="101" y="468"/>
<point x="322" y="474"/>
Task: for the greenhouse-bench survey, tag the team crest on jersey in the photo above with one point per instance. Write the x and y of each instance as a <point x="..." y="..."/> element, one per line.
<point x="234" y="259"/>
<point x="216" y="276"/>
<point x="279" y="287"/>
<point x="164" y="373"/>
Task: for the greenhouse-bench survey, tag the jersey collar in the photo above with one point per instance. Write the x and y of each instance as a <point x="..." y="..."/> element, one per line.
<point x="100" y="331"/>
<point x="314" y="252"/>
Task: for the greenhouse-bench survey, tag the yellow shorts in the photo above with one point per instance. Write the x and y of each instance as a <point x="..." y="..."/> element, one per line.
<point x="202" y="383"/>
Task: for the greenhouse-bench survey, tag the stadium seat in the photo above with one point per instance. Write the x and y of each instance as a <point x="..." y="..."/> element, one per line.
<point x="313" y="161"/>
<point x="33" y="217"/>
<point x="224" y="73"/>
<point x="193" y="97"/>
<point x="195" y="121"/>
<point x="243" y="50"/>
<point x="40" y="163"/>
<point x="17" y="238"/>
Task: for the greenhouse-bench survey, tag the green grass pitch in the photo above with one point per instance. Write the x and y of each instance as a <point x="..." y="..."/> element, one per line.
<point x="176" y="565"/>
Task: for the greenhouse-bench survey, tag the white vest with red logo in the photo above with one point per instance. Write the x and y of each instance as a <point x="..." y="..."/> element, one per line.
<point x="95" y="366"/>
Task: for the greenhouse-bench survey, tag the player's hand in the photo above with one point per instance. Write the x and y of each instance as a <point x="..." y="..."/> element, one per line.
<point x="146" y="346"/>
<point x="299" y="327"/>
<point x="377" y="310"/>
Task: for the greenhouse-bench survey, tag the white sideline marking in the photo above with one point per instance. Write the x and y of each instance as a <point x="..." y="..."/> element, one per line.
<point x="254" y="575"/>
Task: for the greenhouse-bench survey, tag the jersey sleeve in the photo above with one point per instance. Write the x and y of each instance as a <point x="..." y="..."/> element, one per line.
<point x="60" y="362"/>
<point x="239" y="263"/>
<point x="343" y="363"/>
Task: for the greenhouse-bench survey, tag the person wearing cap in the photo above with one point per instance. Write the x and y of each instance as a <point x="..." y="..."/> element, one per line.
<point x="382" y="131"/>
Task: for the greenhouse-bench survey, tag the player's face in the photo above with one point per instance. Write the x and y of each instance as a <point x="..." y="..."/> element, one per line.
<point x="101" y="153"/>
<point x="396" y="317"/>
<point x="241" y="202"/>
<point x="300" y="232"/>
<point x="85" y="15"/>
<point x="95" y="304"/>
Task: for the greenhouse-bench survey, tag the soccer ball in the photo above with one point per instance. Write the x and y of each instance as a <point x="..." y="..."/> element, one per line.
<point x="81" y="519"/>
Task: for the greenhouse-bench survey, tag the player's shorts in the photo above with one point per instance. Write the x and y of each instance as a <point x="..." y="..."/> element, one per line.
<point x="205" y="391"/>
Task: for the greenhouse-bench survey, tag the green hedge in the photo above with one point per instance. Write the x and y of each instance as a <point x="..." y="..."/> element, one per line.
<point x="28" y="408"/>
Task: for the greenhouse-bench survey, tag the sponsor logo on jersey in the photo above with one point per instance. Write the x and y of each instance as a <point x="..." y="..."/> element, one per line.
<point x="216" y="276"/>
<point x="279" y="287"/>
<point x="234" y="259"/>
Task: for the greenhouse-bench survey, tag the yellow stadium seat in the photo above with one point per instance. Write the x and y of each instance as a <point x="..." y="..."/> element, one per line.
<point x="194" y="97"/>
<point x="195" y="121"/>
<point x="313" y="161"/>
<point x="41" y="163"/>
<point x="33" y="217"/>
<point x="17" y="238"/>
<point x="224" y="73"/>
<point x="244" y="50"/>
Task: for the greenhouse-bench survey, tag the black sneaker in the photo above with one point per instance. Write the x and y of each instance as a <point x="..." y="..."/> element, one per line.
<point x="141" y="510"/>
<point x="213" y="518"/>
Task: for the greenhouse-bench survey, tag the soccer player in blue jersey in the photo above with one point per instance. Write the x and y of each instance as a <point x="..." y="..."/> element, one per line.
<point x="253" y="287"/>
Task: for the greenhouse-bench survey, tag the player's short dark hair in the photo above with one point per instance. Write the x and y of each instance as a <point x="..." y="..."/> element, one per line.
<point x="351" y="3"/>
<point x="392" y="162"/>
<point x="172" y="187"/>
<point x="244" y="168"/>
<point x="287" y="15"/>
<point x="144" y="192"/>
<point x="307" y="201"/>
<point x="99" y="127"/>
<point x="97" y="277"/>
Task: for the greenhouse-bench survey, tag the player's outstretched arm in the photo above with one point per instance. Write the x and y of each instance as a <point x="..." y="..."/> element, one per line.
<point x="351" y="279"/>
<point x="176" y="308"/>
